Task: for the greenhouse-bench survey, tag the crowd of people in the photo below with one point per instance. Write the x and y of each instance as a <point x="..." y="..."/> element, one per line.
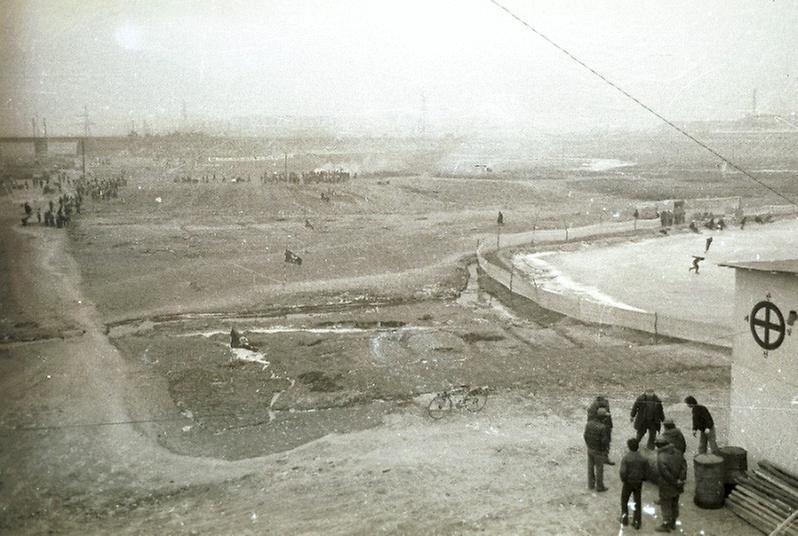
<point x="209" y="178"/>
<point x="337" y="175"/>
<point x="69" y="202"/>
<point x="668" y="470"/>
<point x="266" y="177"/>
<point x="101" y="188"/>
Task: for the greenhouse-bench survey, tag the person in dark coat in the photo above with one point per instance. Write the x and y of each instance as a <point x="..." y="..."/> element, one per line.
<point x="634" y="470"/>
<point x="672" y="471"/>
<point x="674" y="436"/>
<point x="592" y="413"/>
<point x="704" y="424"/>
<point x="647" y="416"/>
<point x="597" y="439"/>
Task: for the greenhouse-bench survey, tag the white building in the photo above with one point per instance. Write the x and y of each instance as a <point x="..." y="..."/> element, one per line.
<point x="764" y="389"/>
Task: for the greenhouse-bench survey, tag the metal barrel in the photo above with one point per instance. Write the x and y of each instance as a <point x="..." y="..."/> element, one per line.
<point x="709" y="476"/>
<point x="735" y="465"/>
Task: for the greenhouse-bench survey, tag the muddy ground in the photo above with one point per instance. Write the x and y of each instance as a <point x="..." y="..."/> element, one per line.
<point x="128" y="413"/>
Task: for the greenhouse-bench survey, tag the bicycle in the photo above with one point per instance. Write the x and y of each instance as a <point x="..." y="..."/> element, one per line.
<point x="465" y="397"/>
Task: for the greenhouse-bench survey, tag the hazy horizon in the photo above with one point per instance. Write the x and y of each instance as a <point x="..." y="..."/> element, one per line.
<point x="391" y="67"/>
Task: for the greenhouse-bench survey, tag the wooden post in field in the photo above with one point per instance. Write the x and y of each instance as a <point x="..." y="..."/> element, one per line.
<point x="656" y="329"/>
<point x="498" y="235"/>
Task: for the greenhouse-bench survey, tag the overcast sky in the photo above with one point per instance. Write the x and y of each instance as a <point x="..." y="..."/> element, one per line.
<point x="371" y="58"/>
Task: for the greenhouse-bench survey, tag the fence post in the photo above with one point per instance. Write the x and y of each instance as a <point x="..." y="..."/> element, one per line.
<point x="656" y="332"/>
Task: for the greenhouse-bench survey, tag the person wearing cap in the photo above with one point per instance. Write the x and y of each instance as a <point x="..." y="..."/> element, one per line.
<point x="674" y="436"/>
<point x="592" y="413"/>
<point x="672" y="470"/>
<point x="647" y="416"/>
<point x="634" y="470"/>
<point x="597" y="439"/>
<point x="703" y="423"/>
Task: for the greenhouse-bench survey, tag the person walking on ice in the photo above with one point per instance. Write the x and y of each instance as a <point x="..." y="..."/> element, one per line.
<point x="709" y="243"/>
<point x="696" y="260"/>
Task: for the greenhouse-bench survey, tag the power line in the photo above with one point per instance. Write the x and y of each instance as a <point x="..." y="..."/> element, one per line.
<point x="642" y="104"/>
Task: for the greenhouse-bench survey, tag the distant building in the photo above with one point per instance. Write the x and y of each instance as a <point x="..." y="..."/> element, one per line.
<point x="764" y="388"/>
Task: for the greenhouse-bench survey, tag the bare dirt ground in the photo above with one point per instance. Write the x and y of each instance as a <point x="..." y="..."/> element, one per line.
<point x="124" y="410"/>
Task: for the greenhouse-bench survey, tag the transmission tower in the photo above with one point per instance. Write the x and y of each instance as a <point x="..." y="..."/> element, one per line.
<point x="87" y="123"/>
<point x="422" y="116"/>
<point x="184" y="117"/>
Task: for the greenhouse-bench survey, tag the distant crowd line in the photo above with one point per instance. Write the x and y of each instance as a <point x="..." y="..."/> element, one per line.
<point x="266" y="177"/>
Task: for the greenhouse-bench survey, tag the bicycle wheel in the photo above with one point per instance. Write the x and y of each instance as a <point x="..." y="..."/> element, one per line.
<point x="475" y="399"/>
<point x="439" y="406"/>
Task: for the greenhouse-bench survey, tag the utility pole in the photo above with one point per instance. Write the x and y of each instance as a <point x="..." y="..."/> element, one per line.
<point x="86" y="123"/>
<point x="83" y="155"/>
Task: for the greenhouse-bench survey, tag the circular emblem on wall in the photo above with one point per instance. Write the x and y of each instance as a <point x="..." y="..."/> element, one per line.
<point x="767" y="325"/>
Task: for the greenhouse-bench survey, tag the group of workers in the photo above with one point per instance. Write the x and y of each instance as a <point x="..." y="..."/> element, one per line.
<point x="669" y="470"/>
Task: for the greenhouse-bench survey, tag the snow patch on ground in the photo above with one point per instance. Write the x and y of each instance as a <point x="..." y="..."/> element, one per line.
<point x="605" y="164"/>
<point x="338" y="330"/>
<point x="248" y="355"/>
